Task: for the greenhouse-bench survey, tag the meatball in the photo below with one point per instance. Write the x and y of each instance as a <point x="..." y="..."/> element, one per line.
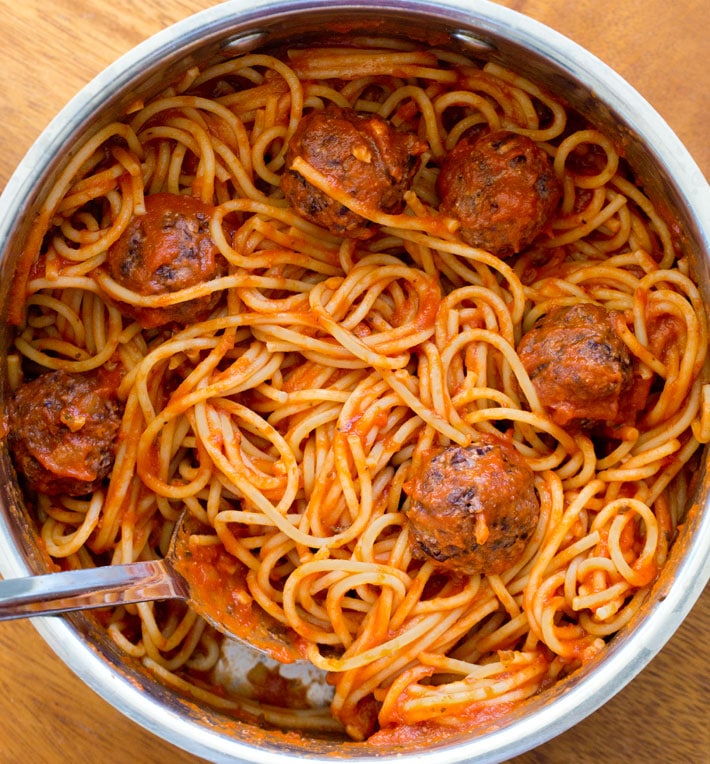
<point x="502" y="189"/>
<point x="62" y="431"/>
<point x="167" y="249"/>
<point x="360" y="154"/>
<point x="473" y="509"/>
<point x="581" y="369"/>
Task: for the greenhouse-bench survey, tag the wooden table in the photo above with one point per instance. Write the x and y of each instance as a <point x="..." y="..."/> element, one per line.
<point x="48" y="50"/>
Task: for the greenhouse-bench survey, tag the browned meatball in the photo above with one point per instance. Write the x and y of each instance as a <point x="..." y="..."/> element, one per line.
<point x="501" y="187"/>
<point x="360" y="154"/>
<point x="62" y="431"/>
<point x="167" y="249"/>
<point x="581" y="369"/>
<point x="473" y="509"/>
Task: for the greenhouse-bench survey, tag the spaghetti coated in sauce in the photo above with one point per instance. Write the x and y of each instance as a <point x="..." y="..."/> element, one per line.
<point x="332" y="285"/>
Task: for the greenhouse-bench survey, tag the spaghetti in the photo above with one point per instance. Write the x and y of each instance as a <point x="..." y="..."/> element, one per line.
<point x="291" y="385"/>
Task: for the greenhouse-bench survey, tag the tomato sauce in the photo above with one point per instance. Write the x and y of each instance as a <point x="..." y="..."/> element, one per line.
<point x="219" y="592"/>
<point x="477" y="716"/>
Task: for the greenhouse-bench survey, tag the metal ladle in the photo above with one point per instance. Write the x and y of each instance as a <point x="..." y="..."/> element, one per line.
<point x="168" y="578"/>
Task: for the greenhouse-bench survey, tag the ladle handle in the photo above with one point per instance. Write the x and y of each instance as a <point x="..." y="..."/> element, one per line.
<point x="88" y="588"/>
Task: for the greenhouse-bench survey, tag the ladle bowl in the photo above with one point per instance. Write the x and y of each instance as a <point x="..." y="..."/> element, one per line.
<point x="176" y="576"/>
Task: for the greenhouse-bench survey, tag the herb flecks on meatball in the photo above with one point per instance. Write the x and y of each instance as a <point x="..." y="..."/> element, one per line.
<point x="362" y="155"/>
<point x="167" y="249"/>
<point x="502" y="188"/>
<point x="63" y="429"/>
<point x="473" y="509"/>
<point x="580" y="367"/>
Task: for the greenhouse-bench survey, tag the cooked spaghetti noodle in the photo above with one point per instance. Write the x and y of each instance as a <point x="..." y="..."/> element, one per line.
<point x="295" y="412"/>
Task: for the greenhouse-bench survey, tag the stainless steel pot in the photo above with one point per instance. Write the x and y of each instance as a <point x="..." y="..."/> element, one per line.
<point x="663" y="166"/>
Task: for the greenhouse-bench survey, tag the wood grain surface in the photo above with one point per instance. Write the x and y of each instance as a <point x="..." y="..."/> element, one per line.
<point x="48" y="50"/>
